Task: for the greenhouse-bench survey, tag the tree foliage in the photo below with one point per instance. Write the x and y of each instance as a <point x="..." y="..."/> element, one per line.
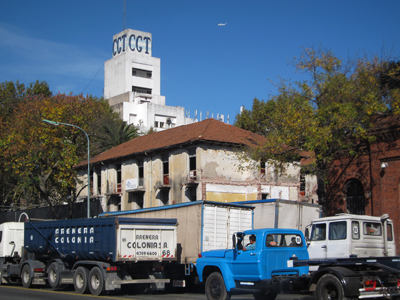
<point x="327" y="114"/>
<point x="37" y="158"/>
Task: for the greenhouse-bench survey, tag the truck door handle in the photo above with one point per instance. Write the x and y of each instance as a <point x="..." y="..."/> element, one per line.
<point x="252" y="254"/>
<point x="323" y="246"/>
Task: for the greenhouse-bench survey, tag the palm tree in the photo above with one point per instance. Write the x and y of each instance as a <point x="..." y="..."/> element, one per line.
<point x="116" y="133"/>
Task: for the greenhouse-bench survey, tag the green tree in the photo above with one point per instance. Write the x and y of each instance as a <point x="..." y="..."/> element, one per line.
<point x="113" y="133"/>
<point x="327" y="114"/>
<point x="39" y="157"/>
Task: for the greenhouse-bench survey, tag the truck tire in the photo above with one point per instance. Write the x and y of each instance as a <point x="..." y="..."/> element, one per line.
<point x="26" y="276"/>
<point x="266" y="296"/>
<point x="53" y="275"/>
<point x="329" y="287"/>
<point x="81" y="280"/>
<point x="96" y="281"/>
<point x="215" y="287"/>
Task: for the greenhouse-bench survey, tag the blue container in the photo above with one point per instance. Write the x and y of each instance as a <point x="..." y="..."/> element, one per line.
<point x="83" y="239"/>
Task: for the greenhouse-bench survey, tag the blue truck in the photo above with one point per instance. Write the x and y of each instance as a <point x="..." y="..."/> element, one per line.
<point x="96" y="255"/>
<point x="280" y="263"/>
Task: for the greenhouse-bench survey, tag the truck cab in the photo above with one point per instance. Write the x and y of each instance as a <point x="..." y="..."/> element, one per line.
<point x="262" y="271"/>
<point x="347" y="235"/>
<point x="11" y="239"/>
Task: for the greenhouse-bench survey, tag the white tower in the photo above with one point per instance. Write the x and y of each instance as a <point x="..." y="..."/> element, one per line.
<point x="132" y="84"/>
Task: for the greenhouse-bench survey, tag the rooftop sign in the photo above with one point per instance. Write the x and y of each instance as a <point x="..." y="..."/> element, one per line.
<point x="130" y="40"/>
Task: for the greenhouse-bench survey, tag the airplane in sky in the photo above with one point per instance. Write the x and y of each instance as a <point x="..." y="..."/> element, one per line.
<point x="221" y="24"/>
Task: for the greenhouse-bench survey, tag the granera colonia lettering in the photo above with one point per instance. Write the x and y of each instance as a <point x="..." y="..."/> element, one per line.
<point x="79" y="235"/>
<point x="133" y="43"/>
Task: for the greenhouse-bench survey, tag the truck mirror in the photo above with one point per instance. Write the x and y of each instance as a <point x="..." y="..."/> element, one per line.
<point x="306" y="234"/>
<point x="234" y="241"/>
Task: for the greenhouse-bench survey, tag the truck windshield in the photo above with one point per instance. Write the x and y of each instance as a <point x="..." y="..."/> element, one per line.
<point x="284" y="240"/>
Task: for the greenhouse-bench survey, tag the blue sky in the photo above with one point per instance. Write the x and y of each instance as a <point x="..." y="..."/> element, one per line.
<point x="204" y="67"/>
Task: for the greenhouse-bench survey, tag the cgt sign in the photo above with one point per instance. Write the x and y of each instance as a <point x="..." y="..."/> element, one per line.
<point x="132" y="40"/>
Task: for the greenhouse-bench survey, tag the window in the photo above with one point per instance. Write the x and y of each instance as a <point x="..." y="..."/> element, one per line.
<point x="156" y="124"/>
<point x="355" y="197"/>
<point x="284" y="240"/>
<point x="192" y="163"/>
<point x="163" y="196"/>
<point x="140" y="172"/>
<point x="389" y="232"/>
<point x="141" y="73"/>
<point x="337" y="230"/>
<point x="137" y="89"/>
<point x="191" y="193"/>
<point x="165" y="161"/>
<point x="355" y="230"/>
<point x="119" y="174"/>
<point x="302" y="182"/>
<point x="262" y="166"/>
<point x="119" y="178"/>
<point x="136" y="199"/>
<point x="98" y="174"/>
<point x="318" y="232"/>
<point x="371" y="228"/>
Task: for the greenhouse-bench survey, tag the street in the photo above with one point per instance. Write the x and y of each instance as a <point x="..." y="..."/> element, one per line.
<point x="17" y="292"/>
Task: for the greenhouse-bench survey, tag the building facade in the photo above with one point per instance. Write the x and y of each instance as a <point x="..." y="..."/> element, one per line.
<point x="369" y="184"/>
<point x="200" y="161"/>
<point x="132" y="84"/>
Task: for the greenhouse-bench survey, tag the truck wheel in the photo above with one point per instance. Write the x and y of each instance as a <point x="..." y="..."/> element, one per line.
<point x="96" y="281"/>
<point x="329" y="287"/>
<point x="265" y="296"/>
<point x="81" y="280"/>
<point x="215" y="287"/>
<point x="26" y="277"/>
<point x="53" y="275"/>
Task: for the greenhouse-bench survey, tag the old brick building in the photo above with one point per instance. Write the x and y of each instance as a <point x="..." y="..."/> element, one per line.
<point x="193" y="162"/>
<point x="370" y="183"/>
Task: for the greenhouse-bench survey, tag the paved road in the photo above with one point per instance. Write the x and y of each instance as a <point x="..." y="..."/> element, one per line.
<point x="15" y="292"/>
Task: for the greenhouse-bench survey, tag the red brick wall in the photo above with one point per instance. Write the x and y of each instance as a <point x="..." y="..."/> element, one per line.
<point x="381" y="185"/>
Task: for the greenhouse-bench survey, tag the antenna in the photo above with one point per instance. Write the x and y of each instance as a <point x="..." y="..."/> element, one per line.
<point x="124" y="14"/>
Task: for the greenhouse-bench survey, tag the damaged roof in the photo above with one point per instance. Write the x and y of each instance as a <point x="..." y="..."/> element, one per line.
<point x="209" y="130"/>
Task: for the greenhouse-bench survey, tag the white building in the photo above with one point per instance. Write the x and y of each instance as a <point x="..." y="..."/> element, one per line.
<point x="132" y="84"/>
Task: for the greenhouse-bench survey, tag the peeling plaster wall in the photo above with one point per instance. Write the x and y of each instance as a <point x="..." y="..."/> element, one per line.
<point x="219" y="177"/>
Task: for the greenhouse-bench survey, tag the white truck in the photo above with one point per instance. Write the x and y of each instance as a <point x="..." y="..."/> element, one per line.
<point x="348" y="235"/>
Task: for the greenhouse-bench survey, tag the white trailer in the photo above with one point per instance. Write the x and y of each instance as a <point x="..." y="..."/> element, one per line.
<point x="202" y="226"/>
<point x="278" y="213"/>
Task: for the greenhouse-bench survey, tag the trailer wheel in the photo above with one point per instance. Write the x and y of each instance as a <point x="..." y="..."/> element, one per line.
<point x="96" y="281"/>
<point x="329" y="287"/>
<point x="265" y="296"/>
<point x="54" y="275"/>
<point x="26" y="276"/>
<point x="215" y="287"/>
<point x="81" y="280"/>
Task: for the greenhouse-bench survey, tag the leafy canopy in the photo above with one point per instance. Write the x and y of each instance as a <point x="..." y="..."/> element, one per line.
<point x="327" y="114"/>
<point x="36" y="158"/>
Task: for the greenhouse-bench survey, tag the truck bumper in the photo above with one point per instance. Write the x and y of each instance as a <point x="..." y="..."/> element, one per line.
<point x="275" y="285"/>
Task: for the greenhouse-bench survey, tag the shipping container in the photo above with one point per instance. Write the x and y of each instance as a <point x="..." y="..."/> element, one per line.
<point x="202" y="225"/>
<point x="278" y="213"/>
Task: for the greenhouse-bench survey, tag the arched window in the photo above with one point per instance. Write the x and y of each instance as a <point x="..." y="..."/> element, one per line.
<point x="355" y="197"/>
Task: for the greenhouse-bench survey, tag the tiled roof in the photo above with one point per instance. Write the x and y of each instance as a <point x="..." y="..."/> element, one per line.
<point x="209" y="130"/>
